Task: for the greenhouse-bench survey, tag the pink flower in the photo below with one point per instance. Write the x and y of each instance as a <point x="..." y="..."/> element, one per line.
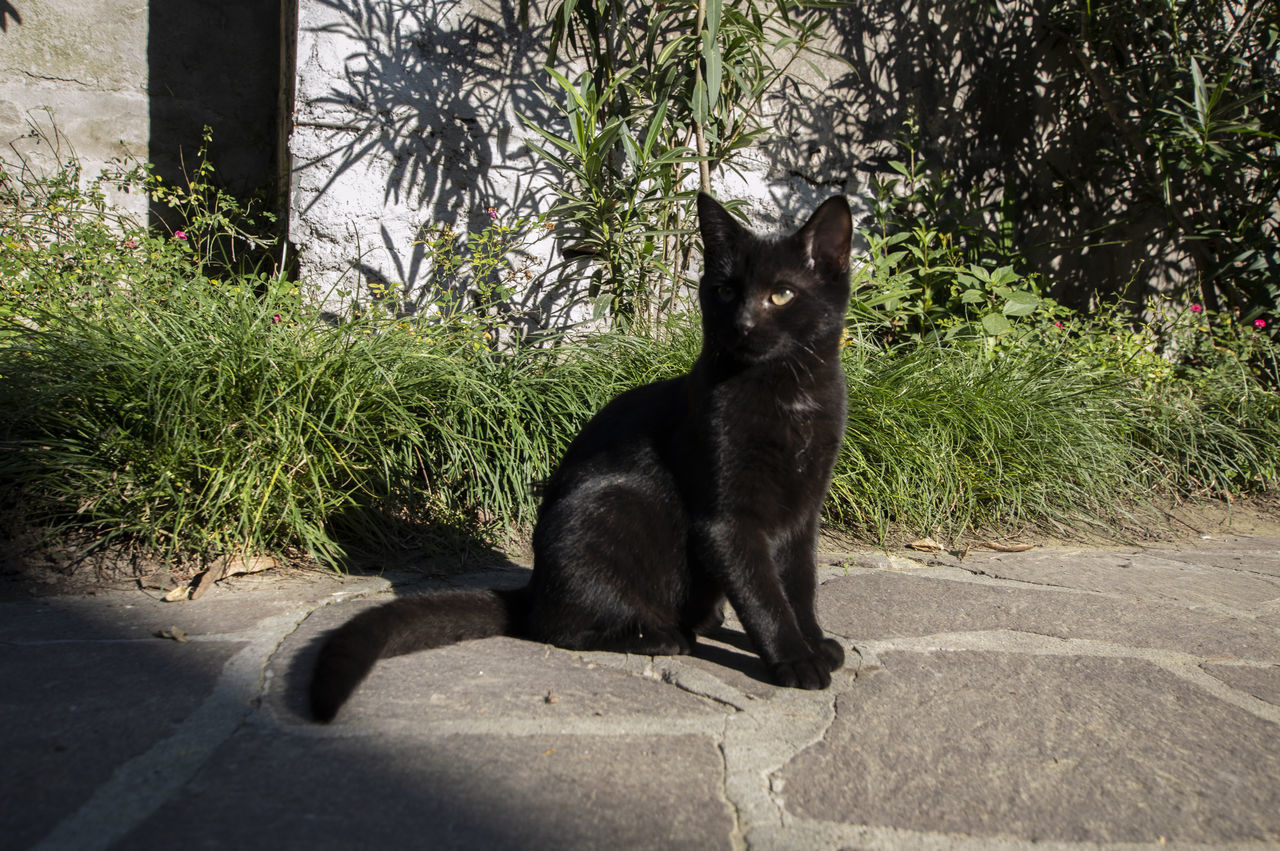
<point x="493" y="213"/>
<point x="1196" y="308"/>
<point x="275" y="320"/>
<point x="180" y="234"/>
<point x="129" y="243"/>
<point x="1058" y="324"/>
<point x="1259" y="323"/>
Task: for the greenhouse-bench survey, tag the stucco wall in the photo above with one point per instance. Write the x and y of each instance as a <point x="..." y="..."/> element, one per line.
<point x="131" y="78"/>
<point x="405" y="115"/>
<point x="409" y="115"/>
<point x="88" y="68"/>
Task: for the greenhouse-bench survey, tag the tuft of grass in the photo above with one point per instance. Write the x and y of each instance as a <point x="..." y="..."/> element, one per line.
<point x="207" y="417"/>
<point x="210" y="417"/>
<point x="946" y="439"/>
<point x="1042" y="431"/>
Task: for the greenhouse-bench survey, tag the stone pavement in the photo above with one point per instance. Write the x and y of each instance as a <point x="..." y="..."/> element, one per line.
<point x="1064" y="697"/>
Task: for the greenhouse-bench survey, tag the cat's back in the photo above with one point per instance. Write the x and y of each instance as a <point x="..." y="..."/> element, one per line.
<point x="637" y="429"/>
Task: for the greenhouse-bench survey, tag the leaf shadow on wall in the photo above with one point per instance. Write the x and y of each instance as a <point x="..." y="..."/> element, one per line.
<point x="428" y="100"/>
<point x="8" y="11"/>
<point x="998" y="99"/>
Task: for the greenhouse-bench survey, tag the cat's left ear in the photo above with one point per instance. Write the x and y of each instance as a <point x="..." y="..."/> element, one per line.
<point x="827" y="237"/>
<point x="720" y="231"/>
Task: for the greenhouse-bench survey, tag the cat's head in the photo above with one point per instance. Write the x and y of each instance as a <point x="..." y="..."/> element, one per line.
<point x="766" y="298"/>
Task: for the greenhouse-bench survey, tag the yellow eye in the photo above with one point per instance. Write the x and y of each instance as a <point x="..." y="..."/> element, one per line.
<point x="782" y="296"/>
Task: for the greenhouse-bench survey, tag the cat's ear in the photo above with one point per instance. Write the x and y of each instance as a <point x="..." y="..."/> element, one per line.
<point x="720" y="230"/>
<point x="826" y="238"/>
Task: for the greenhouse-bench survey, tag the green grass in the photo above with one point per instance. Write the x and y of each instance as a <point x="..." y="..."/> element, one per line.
<point x="941" y="439"/>
<point x="205" y="417"/>
<point x="189" y="419"/>
<point x="155" y="398"/>
<point x="952" y="438"/>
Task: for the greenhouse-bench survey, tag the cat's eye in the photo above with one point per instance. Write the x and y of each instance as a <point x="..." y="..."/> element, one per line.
<point x="781" y="296"/>
<point x="726" y="293"/>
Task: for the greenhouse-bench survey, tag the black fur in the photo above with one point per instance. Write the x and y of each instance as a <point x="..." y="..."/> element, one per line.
<point x="679" y="494"/>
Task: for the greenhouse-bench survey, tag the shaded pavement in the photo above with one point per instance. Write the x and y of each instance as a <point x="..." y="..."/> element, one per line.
<point x="1063" y="697"/>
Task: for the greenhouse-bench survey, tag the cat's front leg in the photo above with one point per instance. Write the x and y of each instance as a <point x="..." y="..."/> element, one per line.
<point x="743" y="563"/>
<point x="796" y="559"/>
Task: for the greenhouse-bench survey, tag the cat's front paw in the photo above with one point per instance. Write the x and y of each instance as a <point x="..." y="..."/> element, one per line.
<point x="809" y="673"/>
<point x="812" y="671"/>
<point x="830" y="650"/>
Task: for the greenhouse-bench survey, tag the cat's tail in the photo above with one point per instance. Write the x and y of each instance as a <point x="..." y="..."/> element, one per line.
<point x="403" y="626"/>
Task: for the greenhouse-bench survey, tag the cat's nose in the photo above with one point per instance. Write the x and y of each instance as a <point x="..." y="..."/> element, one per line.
<point x="746" y="320"/>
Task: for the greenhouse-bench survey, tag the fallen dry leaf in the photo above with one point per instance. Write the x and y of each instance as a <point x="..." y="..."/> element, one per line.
<point x="1007" y="548"/>
<point x="237" y="565"/>
<point x="173" y="634"/>
<point x="182" y="592"/>
<point x="926" y="545"/>
<point x="205" y="580"/>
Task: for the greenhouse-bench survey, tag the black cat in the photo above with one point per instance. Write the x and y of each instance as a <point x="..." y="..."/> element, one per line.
<point x="679" y="494"/>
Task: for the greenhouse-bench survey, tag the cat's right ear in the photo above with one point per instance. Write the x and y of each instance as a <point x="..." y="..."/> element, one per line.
<point x="720" y="230"/>
<point x="827" y="235"/>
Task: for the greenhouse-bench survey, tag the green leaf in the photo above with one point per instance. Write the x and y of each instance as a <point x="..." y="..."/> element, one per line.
<point x="629" y="147"/>
<point x="601" y="305"/>
<point x="995" y="324"/>
<point x="715" y="11"/>
<point x="886" y="298"/>
<point x="569" y="88"/>
<point x="1021" y="303"/>
<point x="698" y="104"/>
<point x="655" y="127"/>
<point x="1201" y="95"/>
<point x="711" y="58"/>
<point x="675" y="44"/>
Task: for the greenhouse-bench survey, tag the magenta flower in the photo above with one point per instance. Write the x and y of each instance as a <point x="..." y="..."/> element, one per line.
<point x="493" y="213"/>
<point x="180" y="234"/>
<point x="1259" y="324"/>
<point x="1057" y="324"/>
<point x="1196" y="308"/>
<point x="129" y="243"/>
<point x="275" y="320"/>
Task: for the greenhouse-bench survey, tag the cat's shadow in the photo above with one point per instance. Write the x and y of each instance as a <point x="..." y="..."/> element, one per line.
<point x="728" y="647"/>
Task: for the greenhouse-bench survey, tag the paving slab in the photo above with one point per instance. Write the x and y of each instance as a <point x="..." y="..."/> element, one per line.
<point x="234" y="605"/>
<point x="1258" y="554"/>
<point x="880" y="604"/>
<point x="1063" y="698"/>
<point x="1260" y="682"/>
<point x="1044" y="749"/>
<point x="265" y="790"/>
<point x="1193" y="582"/>
<point x="72" y="710"/>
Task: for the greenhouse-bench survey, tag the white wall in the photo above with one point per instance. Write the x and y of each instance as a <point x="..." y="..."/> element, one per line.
<point x="409" y="114"/>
